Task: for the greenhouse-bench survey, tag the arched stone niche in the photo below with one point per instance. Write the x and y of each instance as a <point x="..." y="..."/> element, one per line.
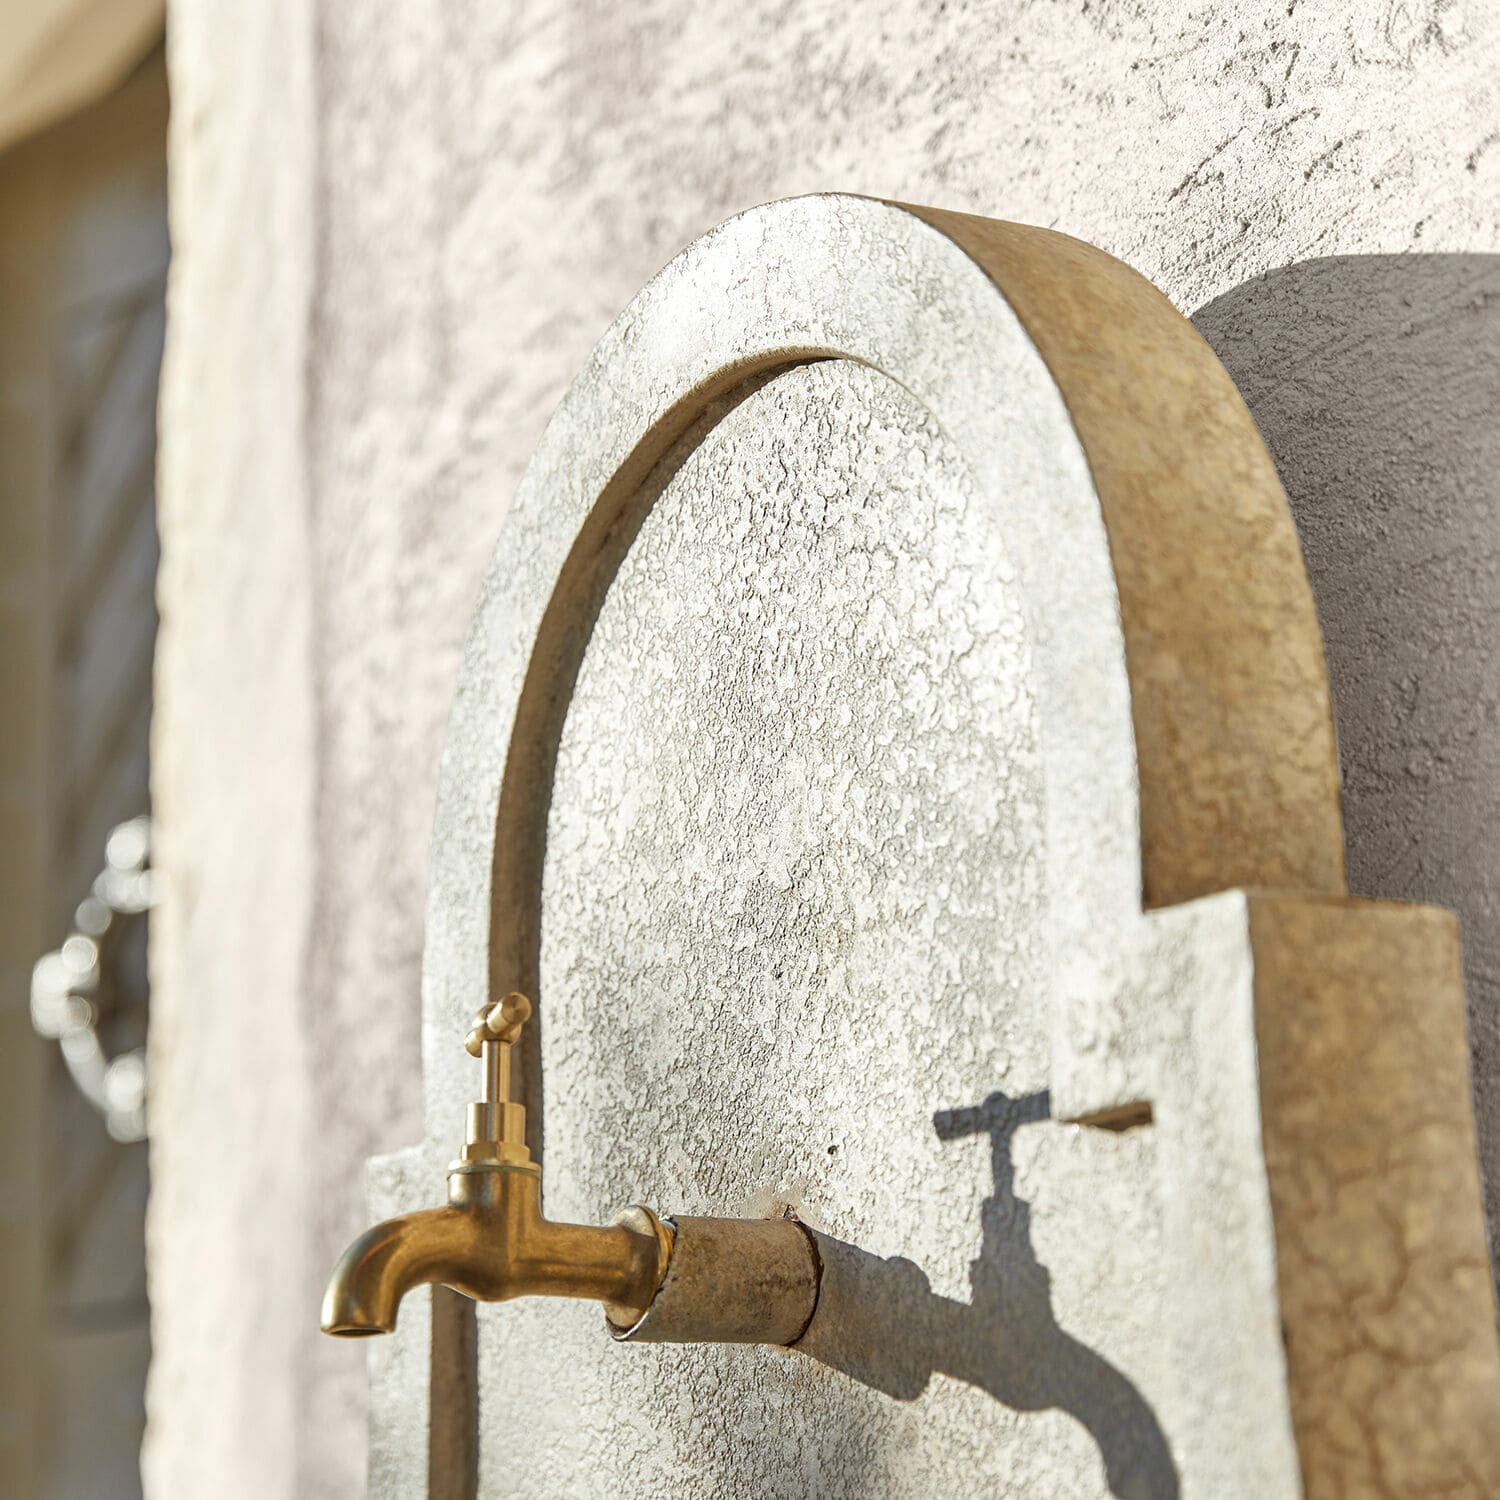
<point x="894" y="747"/>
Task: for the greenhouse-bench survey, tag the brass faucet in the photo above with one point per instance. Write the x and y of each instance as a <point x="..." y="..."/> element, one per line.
<point x="491" y="1242"/>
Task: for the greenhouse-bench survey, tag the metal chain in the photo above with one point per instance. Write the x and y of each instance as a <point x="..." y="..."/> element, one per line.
<point x="66" y="984"/>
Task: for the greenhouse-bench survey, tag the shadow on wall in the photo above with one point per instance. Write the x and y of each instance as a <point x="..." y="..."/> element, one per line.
<point x="1005" y="1341"/>
<point x="1375" y="381"/>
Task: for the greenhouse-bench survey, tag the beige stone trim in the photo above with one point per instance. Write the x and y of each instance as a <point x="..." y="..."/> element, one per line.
<point x="1229" y="692"/>
<point x="1386" y="1298"/>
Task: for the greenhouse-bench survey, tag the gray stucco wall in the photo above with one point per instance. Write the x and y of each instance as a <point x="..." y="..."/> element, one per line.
<point x="1375" y="380"/>
<point x="398" y="232"/>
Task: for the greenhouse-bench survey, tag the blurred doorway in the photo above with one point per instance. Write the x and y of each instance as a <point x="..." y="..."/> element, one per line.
<point x="83" y="261"/>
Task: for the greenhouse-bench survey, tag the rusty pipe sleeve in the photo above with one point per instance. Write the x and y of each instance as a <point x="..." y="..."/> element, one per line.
<point x="731" y="1281"/>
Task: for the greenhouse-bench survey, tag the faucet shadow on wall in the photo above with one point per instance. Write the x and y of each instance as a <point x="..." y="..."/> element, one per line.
<point x="1006" y="1341"/>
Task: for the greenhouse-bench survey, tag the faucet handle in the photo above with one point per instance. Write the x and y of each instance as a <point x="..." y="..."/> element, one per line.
<point x="496" y="1132"/>
<point x="499" y="1021"/>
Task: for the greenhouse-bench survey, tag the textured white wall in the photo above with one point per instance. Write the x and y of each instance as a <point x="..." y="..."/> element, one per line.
<point x="234" y="769"/>
<point x="398" y="233"/>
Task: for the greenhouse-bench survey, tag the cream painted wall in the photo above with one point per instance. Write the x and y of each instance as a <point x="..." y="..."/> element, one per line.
<point x="234" y="768"/>
<point x="397" y="233"/>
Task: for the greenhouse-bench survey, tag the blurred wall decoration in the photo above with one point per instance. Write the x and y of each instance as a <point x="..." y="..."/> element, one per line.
<point x="83" y="260"/>
<point x="83" y="991"/>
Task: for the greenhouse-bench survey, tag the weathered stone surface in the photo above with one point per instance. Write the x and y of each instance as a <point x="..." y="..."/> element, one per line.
<point x="1385" y="1285"/>
<point x="794" y="916"/>
<point x="814" y="858"/>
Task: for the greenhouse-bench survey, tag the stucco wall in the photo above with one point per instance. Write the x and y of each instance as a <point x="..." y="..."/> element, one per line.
<point x="234" y="769"/>
<point x="1375" y="380"/>
<point x="398" y="232"/>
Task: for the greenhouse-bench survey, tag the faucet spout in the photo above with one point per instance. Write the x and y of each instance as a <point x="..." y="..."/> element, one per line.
<point x="382" y="1266"/>
<point x="492" y="1244"/>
